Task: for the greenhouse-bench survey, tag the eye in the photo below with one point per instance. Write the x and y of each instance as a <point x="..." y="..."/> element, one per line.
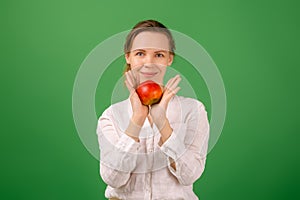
<point x="139" y="53"/>
<point x="160" y="55"/>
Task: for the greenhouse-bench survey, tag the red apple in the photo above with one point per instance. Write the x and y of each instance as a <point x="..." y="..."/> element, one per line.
<point x="149" y="92"/>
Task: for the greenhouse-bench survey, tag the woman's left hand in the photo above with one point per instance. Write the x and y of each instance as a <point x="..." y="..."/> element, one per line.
<point x="158" y="111"/>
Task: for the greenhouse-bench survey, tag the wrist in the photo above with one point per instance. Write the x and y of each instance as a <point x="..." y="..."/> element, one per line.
<point x="133" y="130"/>
<point x="138" y="119"/>
<point x="160" y="121"/>
<point x="166" y="131"/>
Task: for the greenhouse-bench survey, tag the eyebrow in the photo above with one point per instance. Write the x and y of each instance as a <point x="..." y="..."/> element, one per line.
<point x="164" y="51"/>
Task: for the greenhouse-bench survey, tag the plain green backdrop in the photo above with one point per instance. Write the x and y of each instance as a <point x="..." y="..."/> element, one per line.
<point x="255" y="45"/>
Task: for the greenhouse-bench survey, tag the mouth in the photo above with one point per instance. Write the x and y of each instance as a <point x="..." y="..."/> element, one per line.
<point x="149" y="74"/>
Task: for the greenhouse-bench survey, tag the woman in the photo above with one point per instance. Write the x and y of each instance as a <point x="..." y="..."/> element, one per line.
<point x="158" y="151"/>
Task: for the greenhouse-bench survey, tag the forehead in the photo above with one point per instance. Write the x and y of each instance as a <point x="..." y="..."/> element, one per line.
<point x="153" y="40"/>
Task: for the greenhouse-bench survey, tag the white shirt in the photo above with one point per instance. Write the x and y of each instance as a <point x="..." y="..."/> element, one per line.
<point x="141" y="170"/>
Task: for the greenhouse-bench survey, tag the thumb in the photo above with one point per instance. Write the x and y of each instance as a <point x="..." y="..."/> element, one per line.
<point x="129" y="87"/>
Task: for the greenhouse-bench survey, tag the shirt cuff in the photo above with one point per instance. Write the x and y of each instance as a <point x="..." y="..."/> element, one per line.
<point x="121" y="156"/>
<point x="127" y="144"/>
<point x="174" y="146"/>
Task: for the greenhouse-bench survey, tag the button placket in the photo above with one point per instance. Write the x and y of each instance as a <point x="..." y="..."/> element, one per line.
<point x="150" y="145"/>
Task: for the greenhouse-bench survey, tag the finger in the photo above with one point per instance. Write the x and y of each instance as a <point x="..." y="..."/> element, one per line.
<point x="175" y="83"/>
<point x="167" y="97"/>
<point x="175" y="90"/>
<point x="129" y="87"/>
<point x="169" y="94"/>
<point x="171" y="81"/>
<point x="171" y="87"/>
<point x="137" y="80"/>
<point x="133" y="78"/>
<point x="130" y="79"/>
<point x="168" y="83"/>
<point x="128" y="84"/>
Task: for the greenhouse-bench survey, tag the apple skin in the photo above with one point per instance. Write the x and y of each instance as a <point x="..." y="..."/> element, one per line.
<point x="149" y="92"/>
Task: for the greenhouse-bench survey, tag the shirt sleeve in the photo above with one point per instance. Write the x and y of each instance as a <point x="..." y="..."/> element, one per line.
<point x="118" y="152"/>
<point x="187" y="146"/>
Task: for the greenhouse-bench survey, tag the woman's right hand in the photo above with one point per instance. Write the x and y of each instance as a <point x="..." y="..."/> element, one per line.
<point x="140" y="111"/>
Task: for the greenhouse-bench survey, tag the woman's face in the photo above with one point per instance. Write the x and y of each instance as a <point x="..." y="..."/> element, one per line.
<point x="149" y="56"/>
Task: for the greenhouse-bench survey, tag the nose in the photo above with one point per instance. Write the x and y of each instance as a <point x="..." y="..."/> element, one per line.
<point x="149" y="65"/>
<point x="149" y="59"/>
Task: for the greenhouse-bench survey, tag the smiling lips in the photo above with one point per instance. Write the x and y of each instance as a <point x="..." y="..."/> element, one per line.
<point x="148" y="74"/>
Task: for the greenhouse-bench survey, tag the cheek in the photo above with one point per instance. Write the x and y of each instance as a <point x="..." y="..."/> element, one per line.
<point x="166" y="59"/>
<point x="163" y="70"/>
<point x="135" y="62"/>
<point x="165" y="62"/>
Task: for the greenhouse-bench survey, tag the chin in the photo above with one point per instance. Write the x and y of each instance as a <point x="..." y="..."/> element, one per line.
<point x="155" y="79"/>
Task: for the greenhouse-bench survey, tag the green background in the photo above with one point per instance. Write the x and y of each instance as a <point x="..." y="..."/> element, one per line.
<point x="255" y="45"/>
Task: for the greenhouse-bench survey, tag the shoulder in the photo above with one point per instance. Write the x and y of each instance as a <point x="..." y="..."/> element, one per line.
<point x="188" y="103"/>
<point x="185" y="108"/>
<point x="116" y="108"/>
<point x="122" y="105"/>
<point x="116" y="115"/>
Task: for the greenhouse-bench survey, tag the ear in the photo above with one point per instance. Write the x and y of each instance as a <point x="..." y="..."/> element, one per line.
<point x="127" y="58"/>
<point x="171" y="57"/>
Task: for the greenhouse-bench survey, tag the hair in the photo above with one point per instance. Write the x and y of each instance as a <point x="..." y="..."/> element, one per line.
<point x="147" y="25"/>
